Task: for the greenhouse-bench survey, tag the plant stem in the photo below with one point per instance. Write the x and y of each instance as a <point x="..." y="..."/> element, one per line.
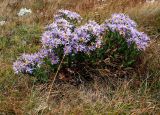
<point x="50" y="88"/>
<point x="51" y="85"/>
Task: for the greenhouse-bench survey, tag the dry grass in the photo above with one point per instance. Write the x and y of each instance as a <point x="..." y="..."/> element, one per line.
<point x="19" y="95"/>
<point x="44" y="9"/>
<point x="148" y="17"/>
<point x="98" y="100"/>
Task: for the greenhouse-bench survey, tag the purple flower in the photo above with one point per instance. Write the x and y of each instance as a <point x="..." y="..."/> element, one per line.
<point x="53" y="58"/>
<point x="68" y="15"/>
<point x="139" y="38"/>
<point x="62" y="33"/>
<point x="67" y="49"/>
<point x="88" y="37"/>
<point x="121" y="19"/>
<point x="27" y="63"/>
<point x="126" y="27"/>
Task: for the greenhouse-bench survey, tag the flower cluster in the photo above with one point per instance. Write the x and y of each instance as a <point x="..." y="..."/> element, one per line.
<point x="2" y="23"/>
<point x="125" y="26"/>
<point x="27" y="63"/>
<point x="24" y="11"/>
<point x="68" y="15"/>
<point x="58" y="33"/>
<point x="64" y="36"/>
<point x="61" y="32"/>
<point x="88" y="37"/>
<point x="121" y="19"/>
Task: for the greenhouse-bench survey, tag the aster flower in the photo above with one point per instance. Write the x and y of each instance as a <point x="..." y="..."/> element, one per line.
<point x="88" y="37"/>
<point x="121" y="19"/>
<point x="139" y="38"/>
<point x="58" y="33"/>
<point x="27" y="63"/>
<point x="126" y="27"/>
<point x="68" y="15"/>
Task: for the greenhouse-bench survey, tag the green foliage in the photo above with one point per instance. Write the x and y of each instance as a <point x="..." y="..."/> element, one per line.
<point x="117" y="50"/>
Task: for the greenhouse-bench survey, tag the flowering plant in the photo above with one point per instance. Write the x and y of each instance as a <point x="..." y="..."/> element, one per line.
<point x="24" y="11"/>
<point x="126" y="27"/>
<point x="89" y="42"/>
<point x="2" y="23"/>
<point x="123" y="40"/>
